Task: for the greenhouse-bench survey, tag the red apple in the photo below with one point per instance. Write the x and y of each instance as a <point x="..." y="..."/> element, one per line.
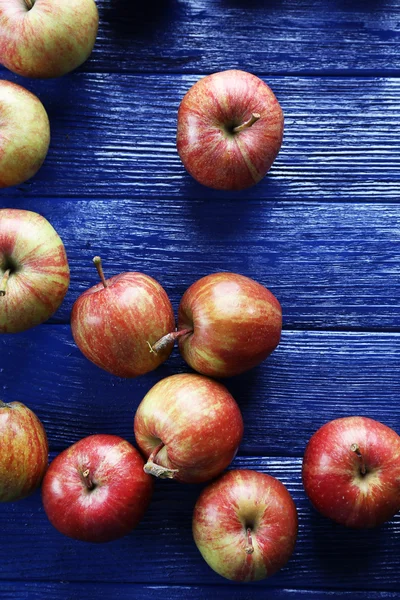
<point x="351" y="471"/>
<point x="46" y="38"/>
<point x="24" y="451"/>
<point x="34" y="272"/>
<point x="24" y="133"/>
<point x="227" y="324"/>
<point x="245" y="525"/>
<point x="96" y="490"/>
<point x="189" y="426"/>
<point x="115" y="323"/>
<point x="230" y="129"/>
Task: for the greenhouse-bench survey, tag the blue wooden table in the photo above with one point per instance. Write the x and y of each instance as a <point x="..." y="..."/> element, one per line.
<point x="322" y="231"/>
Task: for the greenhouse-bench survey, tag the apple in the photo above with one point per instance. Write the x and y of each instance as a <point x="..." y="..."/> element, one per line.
<point x="351" y="471"/>
<point x="34" y="271"/>
<point x="227" y="324"/>
<point x="24" y="134"/>
<point x="115" y="323"/>
<point x="96" y="490"/>
<point x="46" y="38"/>
<point x="230" y="129"/>
<point x="24" y="451"/>
<point x="245" y="525"/>
<point x="189" y="427"/>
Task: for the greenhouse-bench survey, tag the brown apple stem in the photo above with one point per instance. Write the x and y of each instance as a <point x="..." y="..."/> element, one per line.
<point x="165" y="341"/>
<point x="87" y="480"/>
<point x="3" y="283"/>
<point x="29" y="4"/>
<point x="355" y="448"/>
<point x="151" y="468"/>
<point x="249" y="548"/>
<point x="254" y="117"/>
<point x="99" y="267"/>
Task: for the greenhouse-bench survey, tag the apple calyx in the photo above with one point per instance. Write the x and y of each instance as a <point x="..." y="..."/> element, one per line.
<point x="165" y="341"/>
<point x="98" y="264"/>
<point x="4" y="281"/>
<point x="355" y="448"/>
<point x="151" y="468"/>
<point x="254" y="117"/>
<point x="249" y="549"/>
<point x="3" y="404"/>
<point x="87" y="480"/>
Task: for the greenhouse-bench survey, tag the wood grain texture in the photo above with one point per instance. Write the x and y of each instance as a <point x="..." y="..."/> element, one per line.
<point x="128" y="591"/>
<point x="278" y="36"/>
<point x="335" y="265"/>
<point x="326" y="556"/>
<point x="311" y="378"/>
<point x="114" y="136"/>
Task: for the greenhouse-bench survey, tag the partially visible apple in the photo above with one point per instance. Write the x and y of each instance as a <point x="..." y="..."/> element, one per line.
<point x="23" y="451"/>
<point x="24" y="133"/>
<point x="96" y="490"/>
<point x="116" y="322"/>
<point x="245" y="525"/>
<point x="351" y="471"/>
<point x="227" y="324"/>
<point x="189" y="427"/>
<point x="230" y="129"/>
<point x="34" y="272"/>
<point x="46" y="38"/>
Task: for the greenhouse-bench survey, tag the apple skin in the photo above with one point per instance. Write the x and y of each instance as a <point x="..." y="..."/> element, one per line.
<point x="333" y="478"/>
<point x="236" y="324"/>
<point x="210" y="150"/>
<point x="96" y="490"/>
<point x="240" y="503"/>
<point x="113" y="326"/>
<point x="24" y="134"/>
<point x="46" y="38"/>
<point x="24" y="451"/>
<point x="39" y="273"/>
<point x="198" y="422"/>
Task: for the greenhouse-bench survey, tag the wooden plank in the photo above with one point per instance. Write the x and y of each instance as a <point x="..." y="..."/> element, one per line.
<point x="114" y="136"/>
<point x="311" y="378"/>
<point x="308" y="36"/>
<point x="331" y="266"/>
<point x="326" y="556"/>
<point x="127" y="591"/>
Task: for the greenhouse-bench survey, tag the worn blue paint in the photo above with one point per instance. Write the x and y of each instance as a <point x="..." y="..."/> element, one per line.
<point x="322" y="231"/>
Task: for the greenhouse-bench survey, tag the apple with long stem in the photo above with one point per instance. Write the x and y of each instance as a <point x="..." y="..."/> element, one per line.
<point x="24" y="134"/>
<point x="227" y="324"/>
<point x="23" y="452"/>
<point x="230" y="129"/>
<point x="116" y="322"/>
<point x="245" y="525"/>
<point x="351" y="471"/>
<point x="189" y="427"/>
<point x="34" y="271"/>
<point x="46" y="38"/>
<point x="96" y="490"/>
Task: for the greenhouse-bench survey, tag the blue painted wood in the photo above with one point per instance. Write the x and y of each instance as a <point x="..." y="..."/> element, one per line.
<point x="331" y="266"/>
<point x="311" y="378"/>
<point x="114" y="136"/>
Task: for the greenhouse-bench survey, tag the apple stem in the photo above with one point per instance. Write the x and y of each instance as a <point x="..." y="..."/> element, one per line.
<point x="3" y="283"/>
<point x="3" y="404"/>
<point x="355" y="448"/>
<point x="88" y="480"/>
<point x="99" y="267"/>
<point x="254" y="117"/>
<point x="249" y="548"/>
<point x="151" y="468"/>
<point x="167" y="339"/>
<point x="29" y="4"/>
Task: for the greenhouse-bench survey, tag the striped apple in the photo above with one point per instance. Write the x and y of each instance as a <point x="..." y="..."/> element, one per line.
<point x="230" y="129"/>
<point x="24" y="451"/>
<point x="34" y="271"/>
<point x="189" y="427"/>
<point x="116" y="322"/>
